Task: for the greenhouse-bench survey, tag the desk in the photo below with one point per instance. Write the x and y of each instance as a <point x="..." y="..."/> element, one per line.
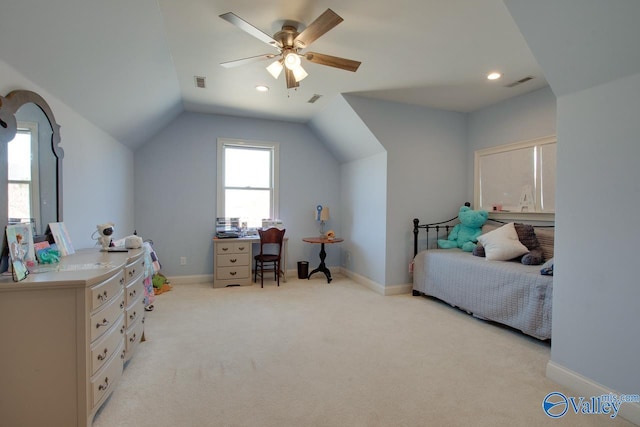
<point x="233" y="259"/>
<point x="322" y="267"/>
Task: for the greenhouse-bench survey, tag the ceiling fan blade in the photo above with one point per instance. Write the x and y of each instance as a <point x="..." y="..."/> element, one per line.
<point x="317" y="28"/>
<point x="248" y="28"/>
<point x="291" y="80"/>
<point x="238" y="62"/>
<point x="333" y="61"/>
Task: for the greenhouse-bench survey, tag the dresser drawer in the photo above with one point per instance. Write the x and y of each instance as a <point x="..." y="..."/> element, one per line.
<point x="133" y="270"/>
<point x="230" y="260"/>
<point x="233" y="248"/>
<point x="102" y="351"/>
<point x="105" y="380"/>
<point x="104" y="291"/>
<point x="134" y="312"/>
<point x="133" y="337"/>
<point x="105" y="318"/>
<point x="134" y="290"/>
<point x="240" y="272"/>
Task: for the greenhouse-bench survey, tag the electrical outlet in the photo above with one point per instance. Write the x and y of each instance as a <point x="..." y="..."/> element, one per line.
<point x="183" y="260"/>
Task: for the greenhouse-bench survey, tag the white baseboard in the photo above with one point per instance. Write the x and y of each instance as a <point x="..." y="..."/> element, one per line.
<point x="377" y="287"/>
<point x="586" y="387"/>
<point x="191" y="279"/>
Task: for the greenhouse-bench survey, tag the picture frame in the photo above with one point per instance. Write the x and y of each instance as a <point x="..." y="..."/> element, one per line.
<point x="61" y="237"/>
<point x="21" y="250"/>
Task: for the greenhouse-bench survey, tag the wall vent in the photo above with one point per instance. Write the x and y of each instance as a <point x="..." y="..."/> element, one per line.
<point x="519" y="82"/>
<point x="314" y="98"/>
<point x="200" y="82"/>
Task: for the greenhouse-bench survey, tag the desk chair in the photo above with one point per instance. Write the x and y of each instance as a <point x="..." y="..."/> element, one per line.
<point x="270" y="253"/>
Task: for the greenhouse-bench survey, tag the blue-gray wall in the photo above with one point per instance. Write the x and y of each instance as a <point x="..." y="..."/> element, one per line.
<point x="596" y="292"/>
<point x="363" y="185"/>
<point x="426" y="171"/>
<point x="589" y="54"/>
<point x="175" y="182"/>
<point x="525" y="117"/>
<point x="97" y="169"/>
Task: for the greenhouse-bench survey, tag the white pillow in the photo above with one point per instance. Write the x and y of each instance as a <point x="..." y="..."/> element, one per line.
<point x="502" y="244"/>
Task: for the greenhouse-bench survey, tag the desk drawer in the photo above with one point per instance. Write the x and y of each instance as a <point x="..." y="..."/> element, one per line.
<point x="231" y="260"/>
<point x="240" y="272"/>
<point x="233" y="247"/>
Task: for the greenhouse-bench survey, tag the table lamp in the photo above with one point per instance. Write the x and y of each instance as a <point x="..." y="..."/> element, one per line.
<point x="322" y="215"/>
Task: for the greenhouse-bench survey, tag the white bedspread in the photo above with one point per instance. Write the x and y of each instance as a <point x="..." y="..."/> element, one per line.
<point x="507" y="292"/>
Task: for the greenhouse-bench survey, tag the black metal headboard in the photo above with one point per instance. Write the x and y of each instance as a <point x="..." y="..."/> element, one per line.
<point x="445" y="226"/>
<point x="437" y="226"/>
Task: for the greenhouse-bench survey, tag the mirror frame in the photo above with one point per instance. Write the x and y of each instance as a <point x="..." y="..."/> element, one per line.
<point x="9" y="105"/>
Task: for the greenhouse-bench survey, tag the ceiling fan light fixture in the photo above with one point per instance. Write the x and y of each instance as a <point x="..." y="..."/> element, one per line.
<point x="299" y="73"/>
<point x="275" y="68"/>
<point x="291" y="60"/>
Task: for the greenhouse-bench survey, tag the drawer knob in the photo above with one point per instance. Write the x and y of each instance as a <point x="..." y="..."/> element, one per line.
<point x="105" y="385"/>
<point x="234" y="260"/>
<point x="233" y="273"/>
<point x="132" y="316"/>
<point x="132" y="293"/>
<point x="102" y="296"/>
<point x="241" y="248"/>
<point x="122" y="280"/>
<point x="122" y="305"/>
<point x="133" y="338"/>
<point x="103" y="355"/>
<point x="104" y="322"/>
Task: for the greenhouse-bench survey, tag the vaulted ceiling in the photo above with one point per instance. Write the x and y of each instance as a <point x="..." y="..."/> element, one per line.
<point x="129" y="66"/>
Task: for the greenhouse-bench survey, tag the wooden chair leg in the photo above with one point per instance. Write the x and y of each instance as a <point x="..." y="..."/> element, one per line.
<point x="262" y="274"/>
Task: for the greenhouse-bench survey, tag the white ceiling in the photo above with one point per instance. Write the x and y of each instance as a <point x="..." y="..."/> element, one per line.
<point x="129" y="67"/>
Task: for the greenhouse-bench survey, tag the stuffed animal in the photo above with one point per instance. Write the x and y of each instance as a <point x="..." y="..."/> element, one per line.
<point x="465" y="235"/>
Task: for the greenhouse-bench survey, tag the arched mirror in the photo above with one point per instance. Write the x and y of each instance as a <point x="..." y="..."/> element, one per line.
<point x="31" y="183"/>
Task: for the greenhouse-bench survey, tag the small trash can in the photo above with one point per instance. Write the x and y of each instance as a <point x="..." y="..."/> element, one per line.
<point x="303" y="269"/>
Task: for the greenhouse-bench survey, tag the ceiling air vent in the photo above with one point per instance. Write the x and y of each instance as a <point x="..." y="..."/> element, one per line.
<point x="200" y="82"/>
<point x="519" y="82"/>
<point x="314" y="98"/>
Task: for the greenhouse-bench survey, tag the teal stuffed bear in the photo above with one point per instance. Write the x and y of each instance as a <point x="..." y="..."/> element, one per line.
<point x="465" y="235"/>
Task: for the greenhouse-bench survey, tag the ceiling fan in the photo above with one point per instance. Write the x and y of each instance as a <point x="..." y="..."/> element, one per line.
<point x="289" y="43"/>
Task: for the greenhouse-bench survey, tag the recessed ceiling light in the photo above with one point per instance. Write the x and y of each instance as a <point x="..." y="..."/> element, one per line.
<point x="262" y="88"/>
<point x="494" y="76"/>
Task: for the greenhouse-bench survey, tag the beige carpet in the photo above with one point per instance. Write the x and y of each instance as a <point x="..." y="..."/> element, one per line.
<point x="316" y="354"/>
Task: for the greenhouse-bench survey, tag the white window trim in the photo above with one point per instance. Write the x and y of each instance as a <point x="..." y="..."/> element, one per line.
<point x="538" y="215"/>
<point x="274" y="146"/>
<point x="34" y="184"/>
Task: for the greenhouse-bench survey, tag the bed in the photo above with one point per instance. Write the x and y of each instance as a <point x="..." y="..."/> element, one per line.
<point x="506" y="292"/>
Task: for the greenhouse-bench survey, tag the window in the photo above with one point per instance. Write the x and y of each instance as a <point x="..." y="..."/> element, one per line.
<point x="22" y="174"/>
<point x="517" y="178"/>
<point x="247" y="181"/>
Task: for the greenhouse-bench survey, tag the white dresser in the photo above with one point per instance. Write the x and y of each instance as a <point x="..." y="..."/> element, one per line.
<point x="65" y="336"/>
